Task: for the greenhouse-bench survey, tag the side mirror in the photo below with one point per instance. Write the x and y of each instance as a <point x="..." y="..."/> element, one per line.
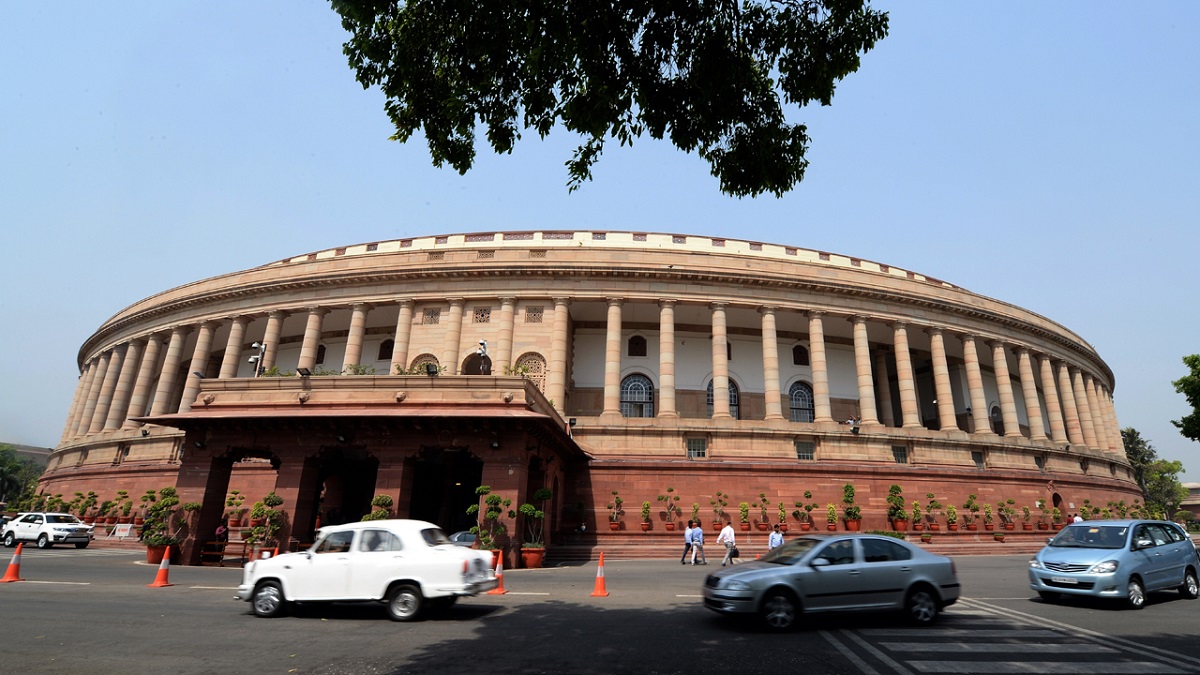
<point x="1143" y="543"/>
<point x="819" y="563"/>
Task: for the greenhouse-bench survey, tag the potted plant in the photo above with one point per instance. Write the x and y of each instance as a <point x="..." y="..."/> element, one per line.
<point x="491" y="526"/>
<point x="831" y="517"/>
<point x="744" y="515"/>
<point x="803" y="512"/>
<point x="999" y="536"/>
<point x="695" y="512"/>
<point x="159" y="533"/>
<point x="381" y="506"/>
<point x="782" y="518"/>
<point x="645" y="516"/>
<point x="932" y="511"/>
<point x="926" y="537"/>
<point x="147" y="500"/>
<point x="897" y="514"/>
<point x="763" y="505"/>
<point x="671" y="501"/>
<point x="970" y="512"/>
<point x="615" y="511"/>
<point x="104" y="512"/>
<point x="951" y="517"/>
<point x="987" y="517"/>
<point x="1008" y="512"/>
<point x="852" y="512"/>
<point x="1043" y="520"/>
<point x="1025" y="524"/>
<point x="233" y="502"/>
<point x="718" y="508"/>
<point x="86" y="506"/>
<point x="916" y="516"/>
<point x="533" y="549"/>
<point x="258" y="514"/>
<point x="126" y="511"/>
<point x="1056" y="516"/>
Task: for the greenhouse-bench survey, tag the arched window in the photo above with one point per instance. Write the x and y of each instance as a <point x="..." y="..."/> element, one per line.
<point x="800" y="355"/>
<point x="637" y="396"/>
<point x="385" y="350"/>
<point x="420" y="363"/>
<point x="320" y="354"/>
<point x="733" y="400"/>
<point x="801" y="395"/>
<point x="532" y="366"/>
<point x="997" y="421"/>
<point x="637" y="345"/>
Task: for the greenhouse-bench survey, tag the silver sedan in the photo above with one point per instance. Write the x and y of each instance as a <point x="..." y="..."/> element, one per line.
<point x="827" y="573"/>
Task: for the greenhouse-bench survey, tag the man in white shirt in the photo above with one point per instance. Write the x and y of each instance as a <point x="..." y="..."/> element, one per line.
<point x="687" y="543"/>
<point x="776" y="538"/>
<point x="727" y="537"/>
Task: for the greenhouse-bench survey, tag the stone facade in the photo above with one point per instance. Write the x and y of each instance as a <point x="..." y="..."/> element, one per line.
<point x="587" y="362"/>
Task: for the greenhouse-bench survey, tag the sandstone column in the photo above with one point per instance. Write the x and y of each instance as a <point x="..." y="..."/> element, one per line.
<point x="271" y="338"/>
<point x="312" y="338"/>
<point x="979" y="410"/>
<point x="199" y="365"/>
<point x="104" y="400"/>
<point x="1058" y="428"/>
<point x="1085" y="411"/>
<point x="145" y="378"/>
<point x="883" y="391"/>
<point x="904" y="377"/>
<point x="666" y="359"/>
<point x="120" y="402"/>
<point x="820" y="368"/>
<point x="556" y="377"/>
<point x="81" y="389"/>
<point x="233" y="347"/>
<point x="720" y="362"/>
<point x="1098" y="421"/>
<point x="1037" y="428"/>
<point x="99" y="364"/>
<point x="774" y="405"/>
<point x="450" y="353"/>
<point x="354" y="340"/>
<point x="612" y="359"/>
<point x="1008" y="402"/>
<point x="403" y="333"/>
<point x="941" y="380"/>
<point x="503" y="360"/>
<point x="862" y="363"/>
<point x="1074" y="433"/>
<point x="170" y="372"/>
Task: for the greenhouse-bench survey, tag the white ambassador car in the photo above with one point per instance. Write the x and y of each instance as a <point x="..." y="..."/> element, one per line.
<point x="408" y="565"/>
<point x="47" y="529"/>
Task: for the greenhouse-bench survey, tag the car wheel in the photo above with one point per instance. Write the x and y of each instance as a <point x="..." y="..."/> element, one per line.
<point x="404" y="603"/>
<point x="44" y="542"/>
<point x="1190" y="588"/>
<point x="779" y="610"/>
<point x="10" y="540"/>
<point x="921" y="606"/>
<point x="1049" y="596"/>
<point x="82" y="544"/>
<point x="267" y="600"/>
<point x="1136" y="597"/>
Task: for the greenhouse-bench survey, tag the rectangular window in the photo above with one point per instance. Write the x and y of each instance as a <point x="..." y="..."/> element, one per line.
<point x="1041" y="462"/>
<point x="431" y="316"/>
<point x="900" y="454"/>
<point x="437" y="255"/>
<point x="534" y="314"/>
<point x="482" y="315"/>
<point x="697" y="448"/>
<point x="977" y="457"/>
<point x="806" y="450"/>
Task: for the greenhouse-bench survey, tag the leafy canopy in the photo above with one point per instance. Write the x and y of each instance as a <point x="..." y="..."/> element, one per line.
<point x="712" y="76"/>
<point x="1189" y="386"/>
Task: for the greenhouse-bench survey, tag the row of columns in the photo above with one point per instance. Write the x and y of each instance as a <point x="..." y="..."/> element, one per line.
<point x="116" y="384"/>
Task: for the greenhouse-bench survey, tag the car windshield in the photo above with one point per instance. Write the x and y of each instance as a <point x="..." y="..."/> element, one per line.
<point x="434" y="536"/>
<point x="1091" y="536"/>
<point x="62" y="519"/>
<point x="791" y="552"/>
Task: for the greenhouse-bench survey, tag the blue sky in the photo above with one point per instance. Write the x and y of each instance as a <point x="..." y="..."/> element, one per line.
<point x="1040" y="153"/>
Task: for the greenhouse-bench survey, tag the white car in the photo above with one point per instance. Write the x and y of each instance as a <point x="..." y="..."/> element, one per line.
<point x="48" y="529"/>
<point x="406" y="564"/>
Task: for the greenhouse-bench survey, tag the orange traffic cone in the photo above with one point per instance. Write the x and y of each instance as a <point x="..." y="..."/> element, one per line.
<point x="601" y="591"/>
<point x="499" y="590"/>
<point x="161" y="579"/>
<point x="14" y="567"/>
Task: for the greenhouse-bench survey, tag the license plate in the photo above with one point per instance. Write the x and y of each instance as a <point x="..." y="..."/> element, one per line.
<point x="1064" y="580"/>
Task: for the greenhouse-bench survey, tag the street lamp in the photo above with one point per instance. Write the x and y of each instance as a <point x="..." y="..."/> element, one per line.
<point x="257" y="359"/>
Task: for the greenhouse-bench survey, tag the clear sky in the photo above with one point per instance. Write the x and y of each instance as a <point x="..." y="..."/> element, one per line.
<point x="1044" y="154"/>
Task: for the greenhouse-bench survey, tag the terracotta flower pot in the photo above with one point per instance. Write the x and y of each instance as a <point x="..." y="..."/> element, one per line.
<point x="744" y="526"/>
<point x="900" y="525"/>
<point x="1010" y="526"/>
<point x="853" y="525"/>
<point x="926" y="537"/>
<point x="645" y="526"/>
<point x="972" y="527"/>
<point x="531" y="558"/>
<point x="670" y="527"/>
<point x="805" y="526"/>
<point x="717" y="526"/>
<point x="1026" y="526"/>
<point x="989" y="526"/>
<point x="763" y="527"/>
<point x="832" y="527"/>
<point x="614" y="525"/>
<point x="783" y="527"/>
<point x="953" y="527"/>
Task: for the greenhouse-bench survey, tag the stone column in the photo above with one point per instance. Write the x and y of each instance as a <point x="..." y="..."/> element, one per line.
<point x="271" y="338"/>
<point x="666" y="359"/>
<point x="400" y="342"/>
<point x="120" y="402"/>
<point x="941" y="380"/>
<point x="145" y="378"/>
<point x="556" y="375"/>
<point x="1098" y="421"/>
<point x="770" y="342"/>
<point x="81" y="389"/>
<point x="199" y="365"/>
<point x="904" y="377"/>
<point x="862" y="364"/>
<point x="99" y="367"/>
<point x="1058" y="429"/>
<point x="1118" y="443"/>
<point x="104" y="400"/>
<point x="233" y="347"/>
<point x="354" y="340"/>
<point x="450" y="352"/>
<point x="820" y="368"/>
<point x="503" y="359"/>
<point x="883" y="391"/>
<point x="1008" y="402"/>
<point x="312" y="338"/>
<point x="612" y="359"/>
<point x="1074" y="433"/>
<point x="720" y="362"/>
<point x="1037" y="427"/>
<point x="979" y="409"/>
<point x="1085" y="411"/>
<point x="170" y="372"/>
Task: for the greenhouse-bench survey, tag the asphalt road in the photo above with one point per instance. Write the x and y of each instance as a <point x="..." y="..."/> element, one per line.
<point x="91" y="612"/>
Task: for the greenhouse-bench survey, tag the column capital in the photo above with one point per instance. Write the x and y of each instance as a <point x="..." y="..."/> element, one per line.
<point x="507" y="300"/>
<point x="279" y="314"/>
<point x="561" y="301"/>
<point x="767" y="309"/>
<point x="935" y="330"/>
<point x="667" y="302"/>
<point x="615" y="302"/>
<point x="234" y="318"/>
<point x="405" y="302"/>
<point x="362" y="306"/>
<point x="457" y="302"/>
<point x="996" y="342"/>
<point x="898" y="323"/>
<point x="317" y="311"/>
<point x="815" y="313"/>
<point x="858" y="318"/>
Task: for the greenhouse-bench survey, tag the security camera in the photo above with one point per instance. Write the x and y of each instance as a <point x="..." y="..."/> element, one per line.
<point x="483" y="342"/>
<point x="253" y="359"/>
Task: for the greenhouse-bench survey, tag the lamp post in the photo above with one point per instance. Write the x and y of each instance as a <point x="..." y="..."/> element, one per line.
<point x="257" y="359"/>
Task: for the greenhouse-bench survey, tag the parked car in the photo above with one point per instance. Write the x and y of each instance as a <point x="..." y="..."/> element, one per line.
<point x="408" y="565"/>
<point x="47" y="529"/>
<point x="463" y="538"/>
<point x="828" y="573"/>
<point x="1124" y="559"/>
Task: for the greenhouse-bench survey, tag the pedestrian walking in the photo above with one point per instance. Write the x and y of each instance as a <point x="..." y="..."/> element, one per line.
<point x="775" y="540"/>
<point x="730" y="540"/>
<point x="698" y="546"/>
<point x="687" y="543"/>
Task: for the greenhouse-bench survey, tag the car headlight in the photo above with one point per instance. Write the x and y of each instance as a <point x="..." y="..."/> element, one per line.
<point x="1106" y="567"/>
<point x="1035" y="564"/>
<point x="735" y="585"/>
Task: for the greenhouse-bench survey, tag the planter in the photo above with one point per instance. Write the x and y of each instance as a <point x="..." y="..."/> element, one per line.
<point x="926" y="537"/>
<point x="495" y="556"/>
<point x="124" y="520"/>
<point x="744" y="526"/>
<point x="1043" y="526"/>
<point x="934" y="527"/>
<point x="155" y="554"/>
<point x="645" y="528"/>
<point x="953" y="527"/>
<point x="917" y="527"/>
<point x="805" y="526"/>
<point x="832" y="527"/>
<point x="783" y="527"/>
<point x="532" y="557"/>
<point x="1058" y="526"/>
<point x="1010" y="526"/>
<point x="138" y="520"/>
<point x="999" y="537"/>
<point x="234" y="522"/>
<point x="853" y="525"/>
<point x="900" y="525"/>
<point x="989" y="526"/>
<point x="257" y="522"/>
<point x="1026" y="526"/>
<point x="110" y="520"/>
<point x="89" y="520"/>
<point x="614" y="526"/>
<point x="717" y="526"/>
<point x="763" y="527"/>
<point x="972" y="527"/>
<point x="670" y="527"/>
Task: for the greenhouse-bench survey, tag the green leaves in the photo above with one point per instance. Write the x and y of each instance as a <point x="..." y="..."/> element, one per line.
<point x="710" y="76"/>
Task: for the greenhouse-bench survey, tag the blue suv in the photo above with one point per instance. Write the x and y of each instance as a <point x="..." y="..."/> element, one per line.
<point x="1123" y="559"/>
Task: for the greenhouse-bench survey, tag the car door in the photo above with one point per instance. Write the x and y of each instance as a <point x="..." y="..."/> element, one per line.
<point x="379" y="557"/>
<point x="27" y="528"/>
<point x="1174" y="554"/>
<point x="835" y="581"/>
<point x="887" y="571"/>
<point x="325" y="574"/>
<point x="1150" y="555"/>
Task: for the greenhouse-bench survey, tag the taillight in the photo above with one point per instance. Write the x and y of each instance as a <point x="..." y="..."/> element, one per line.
<point x="466" y="567"/>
